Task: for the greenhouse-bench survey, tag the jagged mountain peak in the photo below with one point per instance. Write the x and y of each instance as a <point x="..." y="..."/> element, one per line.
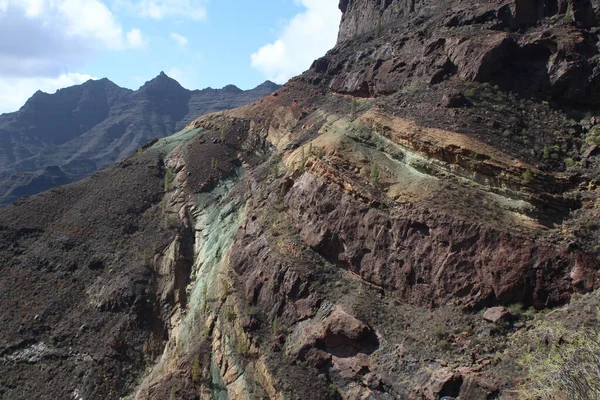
<point x="90" y="125"/>
<point x="267" y="85"/>
<point x="162" y="81"/>
<point x="231" y="89"/>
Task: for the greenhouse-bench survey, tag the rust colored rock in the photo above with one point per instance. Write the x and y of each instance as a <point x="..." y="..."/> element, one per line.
<point x="496" y="314"/>
<point x="317" y="358"/>
<point x="336" y="333"/>
<point x="443" y="383"/>
<point x="427" y="257"/>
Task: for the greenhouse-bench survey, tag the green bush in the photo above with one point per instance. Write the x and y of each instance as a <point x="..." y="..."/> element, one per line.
<point x="528" y="176"/>
<point x="593" y="137"/>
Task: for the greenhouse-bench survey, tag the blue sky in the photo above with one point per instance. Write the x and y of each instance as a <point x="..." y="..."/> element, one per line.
<point x="201" y="43"/>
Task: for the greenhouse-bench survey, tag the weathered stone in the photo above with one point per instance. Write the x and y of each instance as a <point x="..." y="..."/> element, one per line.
<point x="496" y="314"/>
<point x="454" y="100"/>
<point x="479" y="58"/>
<point x="477" y="387"/>
<point x="442" y="383"/>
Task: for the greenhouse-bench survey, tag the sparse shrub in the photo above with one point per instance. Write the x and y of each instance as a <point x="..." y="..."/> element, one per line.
<point x="379" y="28"/>
<point x="332" y="391"/>
<point x="196" y="371"/>
<point x="242" y="347"/>
<point x="562" y="365"/>
<point x="443" y="345"/>
<point x="230" y="315"/>
<point x="528" y="176"/>
<point x="470" y="93"/>
<point x="440" y="332"/>
<point x="169" y="178"/>
<point x="302" y="159"/>
<point x="593" y="137"/>
<point x="374" y="175"/>
<point x="275" y="326"/>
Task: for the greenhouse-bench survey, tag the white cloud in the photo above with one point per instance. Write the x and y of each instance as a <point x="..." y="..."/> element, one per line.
<point x="180" y="39"/>
<point x="308" y="36"/>
<point x="135" y="39"/>
<point x="48" y="37"/>
<point x="161" y="9"/>
<point x="185" y="75"/>
<point x="69" y="20"/>
<point x="14" y="92"/>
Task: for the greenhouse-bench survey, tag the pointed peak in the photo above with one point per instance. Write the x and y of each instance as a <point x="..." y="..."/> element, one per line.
<point x="162" y="80"/>
<point x="268" y="85"/>
<point x="231" y="88"/>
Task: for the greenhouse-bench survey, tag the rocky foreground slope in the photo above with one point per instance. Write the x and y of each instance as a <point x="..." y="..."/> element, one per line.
<point x="59" y="138"/>
<point x="350" y="236"/>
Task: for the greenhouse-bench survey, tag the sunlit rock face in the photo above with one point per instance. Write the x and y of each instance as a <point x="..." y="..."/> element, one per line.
<point x="391" y="224"/>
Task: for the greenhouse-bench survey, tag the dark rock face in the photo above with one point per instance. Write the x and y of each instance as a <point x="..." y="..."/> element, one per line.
<point x="84" y="128"/>
<point x="410" y="46"/>
<point x="364" y="16"/>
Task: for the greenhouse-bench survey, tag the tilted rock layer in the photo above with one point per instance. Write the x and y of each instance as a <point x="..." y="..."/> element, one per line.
<point x="340" y="238"/>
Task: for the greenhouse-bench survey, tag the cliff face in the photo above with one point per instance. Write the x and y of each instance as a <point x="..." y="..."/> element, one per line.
<point x="348" y="236"/>
<point x="478" y="42"/>
<point x="60" y="138"/>
<point x="368" y="16"/>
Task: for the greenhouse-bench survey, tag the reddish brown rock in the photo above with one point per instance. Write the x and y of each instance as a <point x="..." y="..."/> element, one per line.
<point x="479" y="58"/>
<point x="427" y="257"/>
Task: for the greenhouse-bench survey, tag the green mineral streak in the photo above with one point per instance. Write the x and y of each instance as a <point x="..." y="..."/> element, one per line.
<point x="217" y="222"/>
<point x="170" y="142"/>
<point x="219" y="390"/>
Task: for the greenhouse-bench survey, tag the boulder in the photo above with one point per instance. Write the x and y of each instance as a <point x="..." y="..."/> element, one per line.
<point x="443" y="383"/>
<point x="454" y="100"/>
<point x="496" y="314"/>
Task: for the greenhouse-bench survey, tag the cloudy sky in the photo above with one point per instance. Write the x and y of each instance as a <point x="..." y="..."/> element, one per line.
<point x="49" y="44"/>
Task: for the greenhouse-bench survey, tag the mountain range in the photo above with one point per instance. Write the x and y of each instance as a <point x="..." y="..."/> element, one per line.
<point x="59" y="138"/>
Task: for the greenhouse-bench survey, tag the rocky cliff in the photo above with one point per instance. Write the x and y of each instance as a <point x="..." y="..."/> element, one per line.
<point x="59" y="138"/>
<point x="391" y="224"/>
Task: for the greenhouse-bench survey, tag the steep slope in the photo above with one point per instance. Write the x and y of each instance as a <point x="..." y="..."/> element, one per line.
<point x="350" y="236"/>
<point x="84" y="128"/>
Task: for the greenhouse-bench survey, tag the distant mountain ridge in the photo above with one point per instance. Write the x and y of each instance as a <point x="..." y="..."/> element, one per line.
<point x="59" y="138"/>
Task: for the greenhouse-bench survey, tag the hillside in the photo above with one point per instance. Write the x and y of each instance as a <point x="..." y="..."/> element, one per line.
<point x="59" y="138"/>
<point x="414" y="217"/>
